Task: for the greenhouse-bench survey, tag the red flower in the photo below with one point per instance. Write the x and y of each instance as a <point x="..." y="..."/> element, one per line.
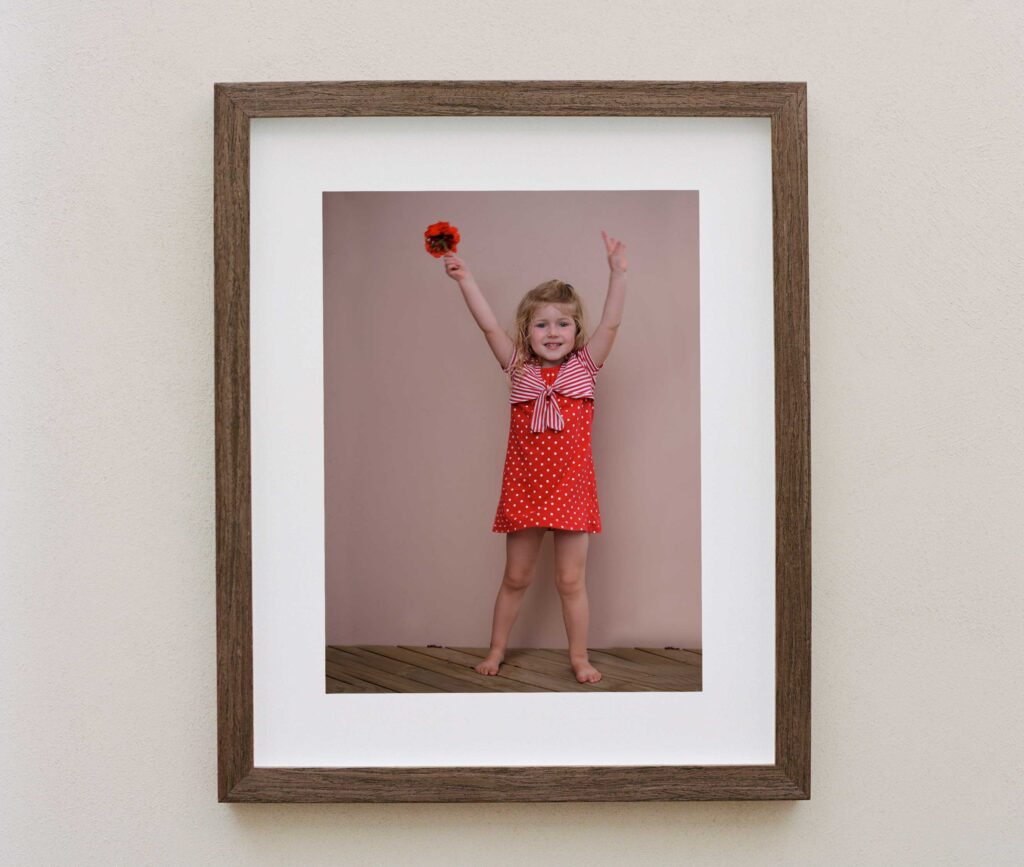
<point x="441" y="238"/>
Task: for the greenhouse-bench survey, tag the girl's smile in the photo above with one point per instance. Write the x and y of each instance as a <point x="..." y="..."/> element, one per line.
<point x="552" y="335"/>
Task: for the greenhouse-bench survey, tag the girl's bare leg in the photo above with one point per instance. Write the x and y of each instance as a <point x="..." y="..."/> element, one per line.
<point x="521" y="549"/>
<point x="570" y="578"/>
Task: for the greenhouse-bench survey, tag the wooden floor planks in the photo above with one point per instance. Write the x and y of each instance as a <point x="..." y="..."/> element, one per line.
<point x="390" y="669"/>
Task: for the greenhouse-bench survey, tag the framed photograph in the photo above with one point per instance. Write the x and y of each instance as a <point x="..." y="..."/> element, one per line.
<point x="512" y="441"/>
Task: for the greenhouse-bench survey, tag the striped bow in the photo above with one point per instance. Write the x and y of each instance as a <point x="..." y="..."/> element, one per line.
<point x="546" y="412"/>
<point x="575" y="379"/>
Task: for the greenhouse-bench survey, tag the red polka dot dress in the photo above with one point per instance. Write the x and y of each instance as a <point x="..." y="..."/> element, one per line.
<point x="549" y="478"/>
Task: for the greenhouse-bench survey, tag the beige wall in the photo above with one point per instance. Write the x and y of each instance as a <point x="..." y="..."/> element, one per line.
<point x="417" y="416"/>
<point x="107" y="678"/>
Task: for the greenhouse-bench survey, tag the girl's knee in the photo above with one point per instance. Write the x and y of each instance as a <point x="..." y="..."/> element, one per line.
<point x="569" y="581"/>
<point x="517" y="579"/>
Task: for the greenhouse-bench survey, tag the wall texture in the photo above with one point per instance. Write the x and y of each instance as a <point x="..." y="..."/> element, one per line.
<point x="107" y="738"/>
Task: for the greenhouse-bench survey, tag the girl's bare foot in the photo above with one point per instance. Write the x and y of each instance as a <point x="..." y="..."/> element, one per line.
<point x="492" y="662"/>
<point x="584" y="671"/>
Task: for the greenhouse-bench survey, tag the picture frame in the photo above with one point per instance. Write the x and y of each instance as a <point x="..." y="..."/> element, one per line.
<point x="240" y="779"/>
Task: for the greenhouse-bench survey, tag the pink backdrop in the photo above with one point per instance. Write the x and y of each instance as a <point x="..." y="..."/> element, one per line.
<point x="416" y="416"/>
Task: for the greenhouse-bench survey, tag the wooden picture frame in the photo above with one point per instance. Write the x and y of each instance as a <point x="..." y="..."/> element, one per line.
<point x="785" y="105"/>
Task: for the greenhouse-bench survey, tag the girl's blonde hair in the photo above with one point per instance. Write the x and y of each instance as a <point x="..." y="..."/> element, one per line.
<point x="555" y="292"/>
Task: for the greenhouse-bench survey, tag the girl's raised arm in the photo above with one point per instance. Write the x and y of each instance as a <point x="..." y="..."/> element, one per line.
<point x="608" y="328"/>
<point x="500" y="343"/>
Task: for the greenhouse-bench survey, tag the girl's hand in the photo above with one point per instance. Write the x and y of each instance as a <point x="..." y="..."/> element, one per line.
<point x="455" y="268"/>
<point x="616" y="254"/>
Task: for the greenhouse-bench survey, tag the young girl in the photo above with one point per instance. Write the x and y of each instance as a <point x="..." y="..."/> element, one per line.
<point x="549" y="481"/>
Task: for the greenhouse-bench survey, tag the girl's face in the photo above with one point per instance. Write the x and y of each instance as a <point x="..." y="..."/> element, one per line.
<point x="552" y="335"/>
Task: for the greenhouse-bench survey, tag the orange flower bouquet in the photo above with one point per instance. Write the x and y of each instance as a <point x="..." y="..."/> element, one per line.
<point x="441" y="238"/>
